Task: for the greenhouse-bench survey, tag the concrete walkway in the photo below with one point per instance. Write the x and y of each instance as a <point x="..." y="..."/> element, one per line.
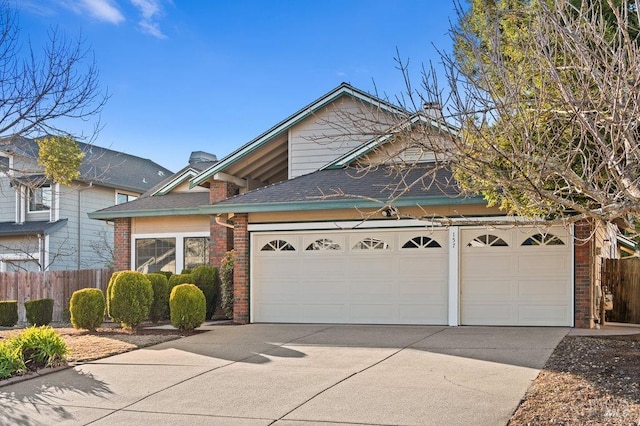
<point x="287" y="375"/>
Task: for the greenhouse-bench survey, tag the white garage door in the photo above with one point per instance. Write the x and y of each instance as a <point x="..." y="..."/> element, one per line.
<point x="519" y="276"/>
<point x="361" y="277"/>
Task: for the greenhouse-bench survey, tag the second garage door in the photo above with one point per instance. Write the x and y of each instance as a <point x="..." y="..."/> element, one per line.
<point x="516" y="276"/>
<point x="362" y="277"/>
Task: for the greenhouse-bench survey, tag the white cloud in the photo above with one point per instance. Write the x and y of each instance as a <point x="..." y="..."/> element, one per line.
<point x="150" y="10"/>
<point x="151" y="28"/>
<point x="103" y="10"/>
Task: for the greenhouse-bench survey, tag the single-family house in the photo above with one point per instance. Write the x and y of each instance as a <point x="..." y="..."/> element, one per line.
<point x="44" y="225"/>
<point x="319" y="237"/>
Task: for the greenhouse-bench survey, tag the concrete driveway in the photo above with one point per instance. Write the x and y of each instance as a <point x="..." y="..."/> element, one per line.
<point x="264" y="374"/>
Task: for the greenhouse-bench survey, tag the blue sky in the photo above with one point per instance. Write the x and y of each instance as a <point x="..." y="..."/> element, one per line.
<point x="210" y="75"/>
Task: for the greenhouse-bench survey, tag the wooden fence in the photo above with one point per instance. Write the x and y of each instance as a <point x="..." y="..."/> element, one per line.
<point x="622" y="277"/>
<point x="57" y="285"/>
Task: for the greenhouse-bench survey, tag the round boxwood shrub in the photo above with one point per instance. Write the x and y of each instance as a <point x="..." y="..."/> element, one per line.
<point x="160" y="305"/>
<point x="175" y="280"/>
<point x="87" y="308"/>
<point x="206" y="278"/>
<point x="39" y="311"/>
<point x="108" y="295"/>
<point x="130" y="299"/>
<point x="8" y="313"/>
<point x="188" y="307"/>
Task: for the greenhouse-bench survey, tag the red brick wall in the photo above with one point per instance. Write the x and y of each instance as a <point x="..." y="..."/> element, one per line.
<point x="122" y="244"/>
<point x="583" y="274"/>
<point x="241" y="269"/>
<point x="221" y="236"/>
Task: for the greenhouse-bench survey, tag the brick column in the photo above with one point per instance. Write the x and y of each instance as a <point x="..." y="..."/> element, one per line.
<point x="122" y="244"/>
<point x="583" y="274"/>
<point x="241" y="269"/>
<point x="221" y="236"/>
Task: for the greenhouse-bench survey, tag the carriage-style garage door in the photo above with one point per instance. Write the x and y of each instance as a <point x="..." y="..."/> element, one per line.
<point x="362" y="277"/>
<point x="518" y="276"/>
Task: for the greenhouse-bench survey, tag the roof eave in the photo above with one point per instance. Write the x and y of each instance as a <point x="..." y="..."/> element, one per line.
<point x="336" y="204"/>
<point x="189" y="211"/>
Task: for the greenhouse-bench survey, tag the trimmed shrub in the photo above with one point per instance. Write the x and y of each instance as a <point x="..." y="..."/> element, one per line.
<point x="188" y="307"/>
<point x="130" y="299"/>
<point x="108" y="295"/>
<point x="8" y="313"/>
<point x="206" y="278"/>
<point x="39" y="311"/>
<point x="160" y="305"/>
<point x="41" y="347"/>
<point x="177" y="279"/>
<point x="165" y="273"/>
<point x="87" y="308"/>
<point x="226" y="283"/>
<point x="186" y="271"/>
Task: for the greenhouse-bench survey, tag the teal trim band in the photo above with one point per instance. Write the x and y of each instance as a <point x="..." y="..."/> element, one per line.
<point x="193" y="211"/>
<point x="335" y="204"/>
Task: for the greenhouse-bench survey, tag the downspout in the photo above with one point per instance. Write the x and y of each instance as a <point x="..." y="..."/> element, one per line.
<point x="225" y="224"/>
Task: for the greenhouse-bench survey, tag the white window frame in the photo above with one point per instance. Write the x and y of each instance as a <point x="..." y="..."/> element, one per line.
<point x="127" y="193"/>
<point x="10" y="157"/>
<point x="29" y="196"/>
<point x="179" y="237"/>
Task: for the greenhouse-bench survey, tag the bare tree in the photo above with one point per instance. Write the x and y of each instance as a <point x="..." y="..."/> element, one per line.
<point x="550" y="132"/>
<point x="39" y="88"/>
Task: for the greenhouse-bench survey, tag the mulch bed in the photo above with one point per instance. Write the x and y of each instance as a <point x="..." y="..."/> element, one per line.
<point x="586" y="381"/>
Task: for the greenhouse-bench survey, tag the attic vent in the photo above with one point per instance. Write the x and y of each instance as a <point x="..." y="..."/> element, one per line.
<point x="160" y="173"/>
<point x="144" y="180"/>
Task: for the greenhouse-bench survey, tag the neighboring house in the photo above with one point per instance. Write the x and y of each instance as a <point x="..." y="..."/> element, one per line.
<point x="293" y="202"/>
<point x="44" y="225"/>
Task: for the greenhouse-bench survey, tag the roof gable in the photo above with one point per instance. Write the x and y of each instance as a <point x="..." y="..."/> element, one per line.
<point x="363" y="150"/>
<point x="273" y="133"/>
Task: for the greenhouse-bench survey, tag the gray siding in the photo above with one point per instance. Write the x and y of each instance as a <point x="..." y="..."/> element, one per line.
<point x="331" y="133"/>
<point x="91" y="249"/>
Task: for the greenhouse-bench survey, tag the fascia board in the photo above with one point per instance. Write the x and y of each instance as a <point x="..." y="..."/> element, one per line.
<point x="144" y="213"/>
<point x="173" y="183"/>
<point x="336" y="204"/>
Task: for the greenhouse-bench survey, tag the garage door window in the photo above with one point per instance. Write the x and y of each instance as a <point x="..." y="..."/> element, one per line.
<point x="278" y="245"/>
<point x="371" y="244"/>
<point x="324" y="244"/>
<point x="421" y="242"/>
<point x="543" y="240"/>
<point x="487" y="240"/>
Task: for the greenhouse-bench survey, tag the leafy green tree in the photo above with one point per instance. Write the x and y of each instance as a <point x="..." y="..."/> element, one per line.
<point x="545" y="96"/>
<point x="61" y="158"/>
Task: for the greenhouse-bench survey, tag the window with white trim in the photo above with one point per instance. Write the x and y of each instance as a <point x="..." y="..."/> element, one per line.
<point x="487" y="240"/>
<point x="543" y="240"/>
<point x="155" y="254"/>
<point x="124" y="197"/>
<point x="278" y="245"/>
<point x="196" y="252"/>
<point x="40" y="199"/>
<point x="323" y="244"/>
<point x="371" y="244"/>
<point x="421" y="242"/>
<point x="5" y="164"/>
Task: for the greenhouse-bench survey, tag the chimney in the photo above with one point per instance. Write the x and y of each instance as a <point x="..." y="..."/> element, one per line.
<point x="202" y="157"/>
